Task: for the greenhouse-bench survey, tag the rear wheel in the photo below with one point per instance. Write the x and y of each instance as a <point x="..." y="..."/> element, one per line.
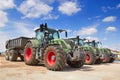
<point x="75" y="64"/>
<point x="30" y="54"/>
<point x="106" y="58"/>
<point x="54" y="58"/>
<point x="98" y="61"/>
<point x="111" y="60"/>
<point x="90" y="58"/>
<point x="13" y="55"/>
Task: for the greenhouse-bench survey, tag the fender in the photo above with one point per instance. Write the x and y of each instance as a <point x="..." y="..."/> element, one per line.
<point x="35" y="42"/>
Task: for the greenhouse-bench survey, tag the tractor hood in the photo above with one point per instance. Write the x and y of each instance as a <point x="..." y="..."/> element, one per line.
<point x="62" y="44"/>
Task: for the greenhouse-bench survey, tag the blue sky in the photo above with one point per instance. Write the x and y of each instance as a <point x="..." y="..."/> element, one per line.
<point x="92" y="19"/>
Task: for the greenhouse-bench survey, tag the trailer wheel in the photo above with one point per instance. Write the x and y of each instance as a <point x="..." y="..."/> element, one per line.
<point x="30" y="54"/>
<point x="13" y="55"/>
<point x="22" y="58"/>
<point x="7" y="54"/>
<point x="54" y="58"/>
<point x="76" y="64"/>
<point x="90" y="58"/>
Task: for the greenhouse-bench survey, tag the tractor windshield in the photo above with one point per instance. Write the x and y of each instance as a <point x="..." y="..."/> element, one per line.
<point x="39" y="35"/>
<point x="51" y="35"/>
<point x="91" y="44"/>
<point x="81" y="42"/>
<point x="55" y="35"/>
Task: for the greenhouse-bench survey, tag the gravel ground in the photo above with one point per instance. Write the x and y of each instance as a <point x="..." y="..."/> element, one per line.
<point x="19" y="71"/>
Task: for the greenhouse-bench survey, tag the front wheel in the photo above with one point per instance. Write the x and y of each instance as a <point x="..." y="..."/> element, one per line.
<point x="90" y="58"/>
<point x="54" y="58"/>
<point x="76" y="64"/>
<point x="106" y="58"/>
<point x="98" y="61"/>
<point x="111" y="60"/>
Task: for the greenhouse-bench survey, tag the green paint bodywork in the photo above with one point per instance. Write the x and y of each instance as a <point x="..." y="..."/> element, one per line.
<point x="66" y="47"/>
<point x="34" y="42"/>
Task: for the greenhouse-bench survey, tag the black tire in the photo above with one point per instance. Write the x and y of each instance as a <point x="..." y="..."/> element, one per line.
<point x="13" y="55"/>
<point x="22" y="58"/>
<point x="106" y="58"/>
<point x="92" y="58"/>
<point x="111" y="60"/>
<point x="98" y="61"/>
<point x="7" y="54"/>
<point x="76" y="64"/>
<point x="56" y="53"/>
<point x="30" y="54"/>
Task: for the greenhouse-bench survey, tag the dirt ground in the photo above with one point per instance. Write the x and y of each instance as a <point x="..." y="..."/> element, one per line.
<point x="19" y="71"/>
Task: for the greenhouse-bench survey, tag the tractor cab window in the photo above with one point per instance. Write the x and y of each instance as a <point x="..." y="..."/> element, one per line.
<point x="81" y="42"/>
<point x="91" y="44"/>
<point x="96" y="44"/>
<point x="56" y="35"/>
<point x="39" y="35"/>
<point x="87" y="44"/>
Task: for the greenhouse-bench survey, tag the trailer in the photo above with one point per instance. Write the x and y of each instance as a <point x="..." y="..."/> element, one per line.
<point x="15" y="48"/>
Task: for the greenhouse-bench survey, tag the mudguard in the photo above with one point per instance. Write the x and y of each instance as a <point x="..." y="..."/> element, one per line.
<point x="34" y="42"/>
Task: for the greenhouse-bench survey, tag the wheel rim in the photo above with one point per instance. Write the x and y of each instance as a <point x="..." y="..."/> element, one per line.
<point x="28" y="54"/>
<point x="88" y="58"/>
<point x="51" y="58"/>
<point x="104" y="59"/>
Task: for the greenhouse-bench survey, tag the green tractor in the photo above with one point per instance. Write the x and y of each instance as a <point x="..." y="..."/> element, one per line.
<point x="92" y="54"/>
<point x="46" y="48"/>
<point x="107" y="55"/>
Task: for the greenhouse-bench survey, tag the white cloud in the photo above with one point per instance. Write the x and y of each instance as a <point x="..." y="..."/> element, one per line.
<point x="118" y="6"/>
<point x="34" y="9"/>
<point x="86" y="31"/>
<point x="50" y="16"/>
<point x="3" y="40"/>
<point x="20" y="29"/>
<point x="6" y="4"/>
<point x="47" y="1"/>
<point x="109" y="19"/>
<point x="112" y="46"/>
<point x="111" y="28"/>
<point x="69" y="8"/>
<point x="107" y="8"/>
<point x="3" y="18"/>
<point x="24" y="30"/>
<point x="92" y="38"/>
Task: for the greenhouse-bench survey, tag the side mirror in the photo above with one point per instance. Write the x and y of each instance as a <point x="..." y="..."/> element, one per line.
<point x="78" y="40"/>
<point x="66" y="34"/>
<point x="99" y="43"/>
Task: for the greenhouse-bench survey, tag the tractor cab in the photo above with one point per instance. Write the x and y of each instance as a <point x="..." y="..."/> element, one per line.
<point x="48" y="33"/>
<point x="92" y="43"/>
<point x="52" y="36"/>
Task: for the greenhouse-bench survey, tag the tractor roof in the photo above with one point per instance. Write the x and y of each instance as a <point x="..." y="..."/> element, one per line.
<point x="50" y="30"/>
